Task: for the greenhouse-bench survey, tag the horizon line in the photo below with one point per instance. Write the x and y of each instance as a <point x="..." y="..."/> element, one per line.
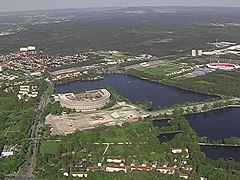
<point x="120" y="7"/>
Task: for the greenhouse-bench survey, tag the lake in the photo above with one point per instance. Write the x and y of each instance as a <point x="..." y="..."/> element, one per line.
<point x="217" y="124"/>
<point x="137" y="90"/>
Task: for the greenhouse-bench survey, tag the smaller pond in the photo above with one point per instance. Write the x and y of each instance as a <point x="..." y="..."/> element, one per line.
<point x="166" y="137"/>
<point x="161" y="123"/>
<point x="227" y="153"/>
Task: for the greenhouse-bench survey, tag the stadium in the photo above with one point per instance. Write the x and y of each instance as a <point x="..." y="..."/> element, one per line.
<point x="87" y="101"/>
<point x="223" y="66"/>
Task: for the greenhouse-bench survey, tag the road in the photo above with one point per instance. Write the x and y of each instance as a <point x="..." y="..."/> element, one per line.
<point x="27" y="168"/>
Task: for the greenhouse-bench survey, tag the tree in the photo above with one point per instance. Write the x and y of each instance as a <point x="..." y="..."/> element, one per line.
<point x="195" y="108"/>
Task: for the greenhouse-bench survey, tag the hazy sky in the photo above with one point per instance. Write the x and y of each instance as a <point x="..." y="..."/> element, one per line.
<point x="19" y="5"/>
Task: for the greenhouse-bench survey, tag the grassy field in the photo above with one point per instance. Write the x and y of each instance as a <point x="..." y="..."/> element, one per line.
<point x="49" y="147"/>
<point x="111" y="57"/>
<point x="205" y="82"/>
<point x="163" y="70"/>
<point x="114" y="135"/>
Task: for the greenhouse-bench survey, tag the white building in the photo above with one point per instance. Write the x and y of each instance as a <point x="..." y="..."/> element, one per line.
<point x="23" y="49"/>
<point x="66" y="174"/>
<point x="7" y="153"/>
<point x="80" y="174"/>
<point x="167" y="170"/>
<point x="35" y="74"/>
<point x="115" y="160"/>
<point x="200" y="52"/>
<point x="194" y="53"/>
<point x="176" y="151"/>
<point x="31" y="48"/>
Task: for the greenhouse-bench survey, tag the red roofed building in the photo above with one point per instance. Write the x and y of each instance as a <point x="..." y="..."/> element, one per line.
<point x="141" y="168"/>
<point x="185" y="176"/>
<point x="116" y="168"/>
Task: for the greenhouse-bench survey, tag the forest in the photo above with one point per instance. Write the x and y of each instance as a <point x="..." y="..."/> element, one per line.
<point x="16" y="118"/>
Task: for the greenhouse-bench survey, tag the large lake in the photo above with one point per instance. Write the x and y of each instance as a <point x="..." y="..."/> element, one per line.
<point x="137" y="90"/>
<point x="218" y="124"/>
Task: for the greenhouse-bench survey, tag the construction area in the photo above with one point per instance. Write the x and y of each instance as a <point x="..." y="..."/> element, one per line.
<point x="66" y="124"/>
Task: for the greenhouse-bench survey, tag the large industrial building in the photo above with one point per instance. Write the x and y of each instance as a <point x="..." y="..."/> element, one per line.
<point x="87" y="101"/>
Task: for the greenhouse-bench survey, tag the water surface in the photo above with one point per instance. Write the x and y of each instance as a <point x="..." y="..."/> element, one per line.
<point x="227" y="153"/>
<point x="166" y="137"/>
<point x="137" y="90"/>
<point x="161" y="123"/>
<point x="217" y="124"/>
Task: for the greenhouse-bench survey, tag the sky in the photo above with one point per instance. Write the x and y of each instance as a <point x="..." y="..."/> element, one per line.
<point x="22" y="5"/>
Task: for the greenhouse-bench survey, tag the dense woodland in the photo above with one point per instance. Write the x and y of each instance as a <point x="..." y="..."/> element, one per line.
<point x="219" y="82"/>
<point x="16" y="118"/>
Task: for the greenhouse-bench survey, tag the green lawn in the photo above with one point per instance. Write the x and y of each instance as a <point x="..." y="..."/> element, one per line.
<point x="115" y="57"/>
<point x="205" y="82"/>
<point x="180" y="78"/>
<point x="110" y="57"/>
<point x="49" y="147"/>
<point x="163" y="70"/>
<point x="116" y="135"/>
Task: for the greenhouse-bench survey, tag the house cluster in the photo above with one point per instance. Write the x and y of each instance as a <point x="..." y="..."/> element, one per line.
<point x="9" y="150"/>
<point x="5" y="76"/>
<point x="140" y="57"/>
<point x="118" y="164"/>
<point x="37" y="64"/>
<point x="63" y="74"/>
<point x="27" y="91"/>
<point x="8" y="77"/>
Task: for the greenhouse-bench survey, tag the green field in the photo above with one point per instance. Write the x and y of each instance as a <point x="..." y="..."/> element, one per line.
<point x="163" y="70"/>
<point x="111" y="57"/>
<point x="49" y="147"/>
<point x="205" y="82"/>
<point x="114" y="135"/>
